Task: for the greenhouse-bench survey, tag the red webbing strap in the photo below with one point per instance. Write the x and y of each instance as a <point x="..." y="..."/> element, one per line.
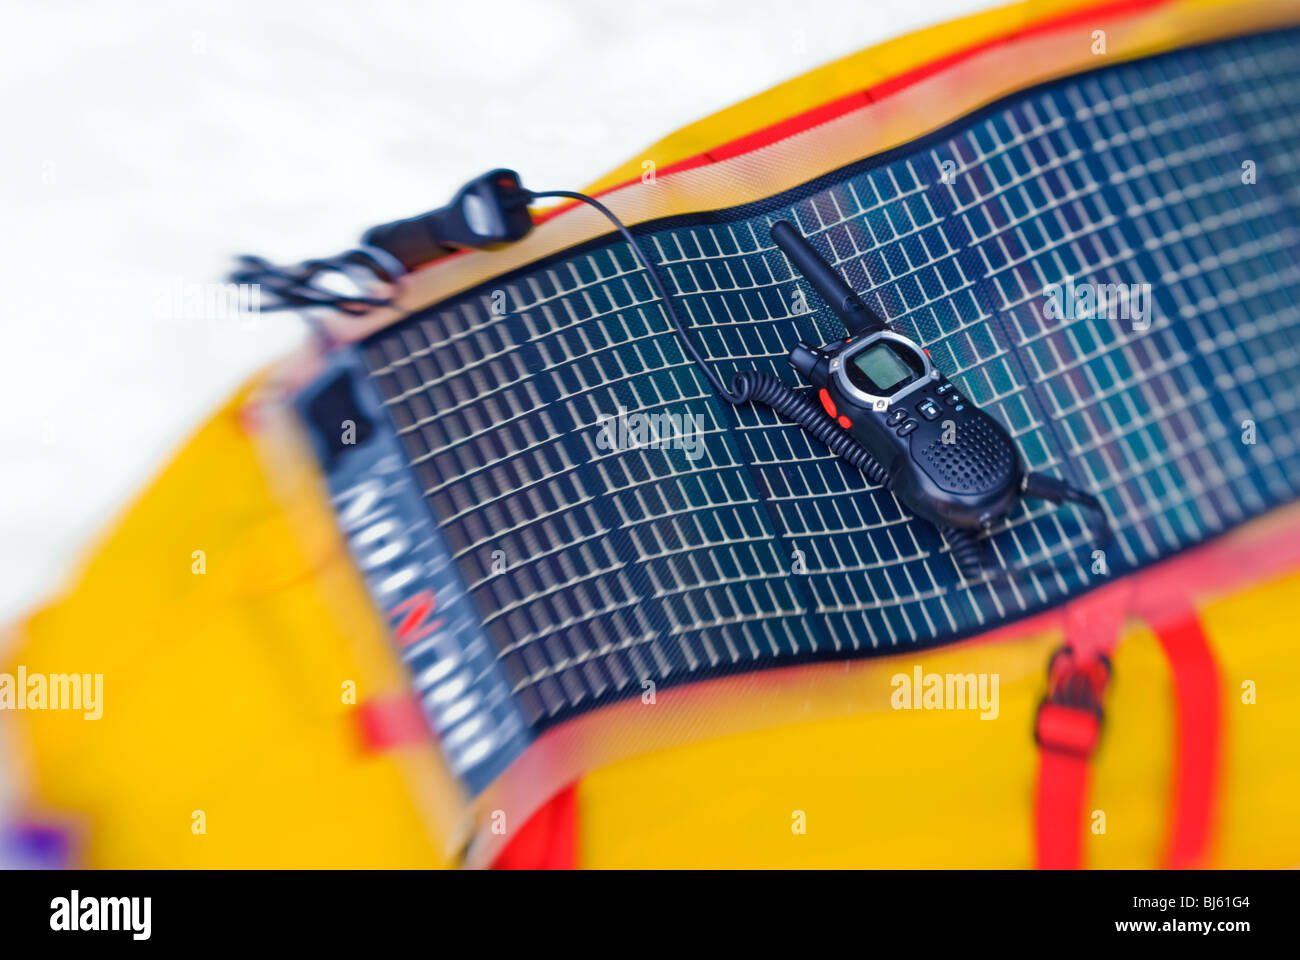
<point x="1066" y="730"/>
<point x="1068" y="724"/>
<point x="1198" y="720"/>
<point x="392" y="722"/>
<point x="1060" y="823"/>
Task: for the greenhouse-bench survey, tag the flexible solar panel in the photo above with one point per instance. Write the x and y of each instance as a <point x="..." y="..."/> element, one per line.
<point x="565" y="574"/>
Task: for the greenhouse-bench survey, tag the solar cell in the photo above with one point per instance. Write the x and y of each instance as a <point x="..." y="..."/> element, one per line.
<point x="575" y="571"/>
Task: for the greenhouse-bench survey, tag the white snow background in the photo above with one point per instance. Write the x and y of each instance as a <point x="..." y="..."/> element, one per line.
<point x="142" y="144"/>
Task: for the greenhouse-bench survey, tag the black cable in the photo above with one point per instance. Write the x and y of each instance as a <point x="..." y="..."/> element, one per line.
<point x="965" y="550"/>
<point x="730" y="395"/>
<point x="1039" y="486"/>
<point x="753" y="386"/>
<point x="294" y="286"/>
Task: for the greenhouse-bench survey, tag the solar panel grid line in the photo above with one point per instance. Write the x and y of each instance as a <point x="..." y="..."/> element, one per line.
<point x="628" y="643"/>
<point x="1012" y="221"/>
<point x="1044" y="374"/>
<point x="1158" y="369"/>
<point x="1000" y="147"/>
<point x="970" y="158"/>
<point x="964" y="266"/>
<point x="1283" y="265"/>
<point x="551" y="585"/>
<point x="466" y="402"/>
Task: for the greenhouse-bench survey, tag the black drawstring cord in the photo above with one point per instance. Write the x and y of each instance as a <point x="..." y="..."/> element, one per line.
<point x="294" y="287"/>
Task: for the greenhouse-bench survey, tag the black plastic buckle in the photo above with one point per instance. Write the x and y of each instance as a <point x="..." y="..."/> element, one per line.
<point x="1069" y="717"/>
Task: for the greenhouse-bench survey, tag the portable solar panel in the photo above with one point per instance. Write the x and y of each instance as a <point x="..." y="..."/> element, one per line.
<point x="531" y="571"/>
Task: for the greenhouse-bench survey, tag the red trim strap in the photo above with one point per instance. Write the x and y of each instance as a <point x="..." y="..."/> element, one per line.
<point x="1199" y="734"/>
<point x="549" y="840"/>
<point x="1066" y="730"/>
<point x="392" y="722"/>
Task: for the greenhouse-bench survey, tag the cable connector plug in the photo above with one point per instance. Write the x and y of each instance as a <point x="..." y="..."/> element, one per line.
<point x="1039" y="486"/>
